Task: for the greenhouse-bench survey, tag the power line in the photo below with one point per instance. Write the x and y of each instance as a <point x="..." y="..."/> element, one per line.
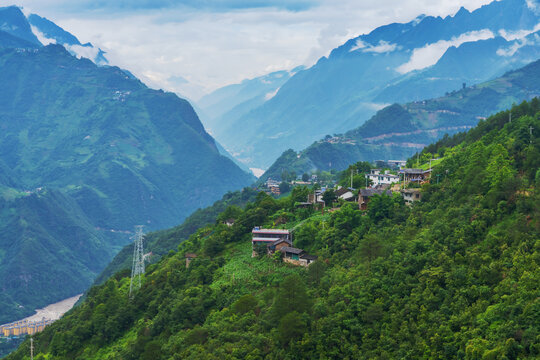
<point x="137" y="269"/>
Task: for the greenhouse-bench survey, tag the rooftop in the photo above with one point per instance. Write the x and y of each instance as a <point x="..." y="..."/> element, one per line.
<point x="270" y="231"/>
<point x="371" y="192"/>
<point x="291" y="250"/>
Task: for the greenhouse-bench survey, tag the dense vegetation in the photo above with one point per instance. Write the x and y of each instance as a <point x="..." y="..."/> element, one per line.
<point x="390" y="133"/>
<point x="454" y="276"/>
<point x="111" y="153"/>
<point x="159" y="243"/>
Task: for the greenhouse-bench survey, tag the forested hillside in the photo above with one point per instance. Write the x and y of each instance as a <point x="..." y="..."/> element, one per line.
<point x="86" y="153"/>
<point x="161" y="242"/>
<point x="454" y="276"/>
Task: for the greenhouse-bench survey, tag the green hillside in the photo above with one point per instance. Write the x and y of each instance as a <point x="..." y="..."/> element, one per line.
<point x="454" y="276"/>
<point x="46" y="237"/>
<point x="108" y="153"/>
<point x="159" y="243"/>
<point x="399" y="130"/>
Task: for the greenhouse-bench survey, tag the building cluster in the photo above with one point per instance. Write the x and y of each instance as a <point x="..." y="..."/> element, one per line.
<point x="280" y="240"/>
<point x="273" y="187"/>
<point x="382" y="182"/>
<point x="24" y="327"/>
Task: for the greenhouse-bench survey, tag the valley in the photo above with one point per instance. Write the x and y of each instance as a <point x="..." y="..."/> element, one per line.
<point x="270" y="180"/>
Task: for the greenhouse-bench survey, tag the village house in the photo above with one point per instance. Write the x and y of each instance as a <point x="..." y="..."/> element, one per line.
<point x="397" y="163"/>
<point x="316" y="197"/>
<point x="296" y="256"/>
<point x="346" y="194"/>
<point x="415" y="175"/>
<point x="366" y="194"/>
<point x="189" y="257"/>
<point x="280" y="240"/>
<point x="278" y="245"/>
<point x="267" y="237"/>
<point x="411" y="195"/>
<point x="382" y="179"/>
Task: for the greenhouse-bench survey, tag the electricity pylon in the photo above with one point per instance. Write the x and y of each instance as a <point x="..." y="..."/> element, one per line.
<point x="137" y="269"/>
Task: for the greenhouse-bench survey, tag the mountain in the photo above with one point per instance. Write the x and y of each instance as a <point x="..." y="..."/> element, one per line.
<point x="453" y="276"/>
<point x="236" y="99"/>
<point x="35" y="250"/>
<point x="220" y="108"/>
<point x="397" y="131"/>
<point x="86" y="153"/>
<point x="13" y="22"/>
<point x="35" y="31"/>
<point x="426" y="57"/>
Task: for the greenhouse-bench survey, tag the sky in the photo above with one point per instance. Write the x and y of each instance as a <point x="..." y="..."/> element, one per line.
<point x="193" y="47"/>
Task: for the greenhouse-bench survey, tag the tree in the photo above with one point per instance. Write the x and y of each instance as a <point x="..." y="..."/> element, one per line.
<point x="305" y="177"/>
<point x="244" y="304"/>
<point x="291" y="327"/>
<point x="316" y="271"/>
<point x="284" y="187"/>
<point x="292" y="296"/>
<point x="329" y="196"/>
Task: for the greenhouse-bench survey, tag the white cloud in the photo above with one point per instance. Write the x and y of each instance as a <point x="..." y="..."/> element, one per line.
<point x="516" y="45"/>
<point x="213" y="48"/>
<point x="376" y="106"/>
<point x="533" y="5"/>
<point x="88" y="52"/>
<point x="41" y="37"/>
<point x="381" y="47"/>
<point x="431" y="53"/>
<point x="520" y="34"/>
<point x="271" y="94"/>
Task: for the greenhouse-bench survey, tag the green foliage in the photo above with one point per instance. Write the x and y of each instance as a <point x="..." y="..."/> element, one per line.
<point x="107" y="153"/>
<point x="329" y="197"/>
<point x="291" y="328"/>
<point x="452" y="276"/>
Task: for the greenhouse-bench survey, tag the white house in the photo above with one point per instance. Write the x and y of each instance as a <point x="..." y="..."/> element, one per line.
<point x="382" y="179"/>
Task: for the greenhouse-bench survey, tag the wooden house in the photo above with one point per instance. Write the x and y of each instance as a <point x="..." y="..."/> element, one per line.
<point x="189" y="258"/>
<point x="365" y="194"/>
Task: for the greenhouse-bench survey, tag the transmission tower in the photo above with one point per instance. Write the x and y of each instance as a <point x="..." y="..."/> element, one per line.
<point x="137" y="268"/>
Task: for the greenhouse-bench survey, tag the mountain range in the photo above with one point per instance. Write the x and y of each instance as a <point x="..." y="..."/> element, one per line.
<point x="399" y="62"/>
<point x="399" y="130"/>
<point x="86" y="153"/>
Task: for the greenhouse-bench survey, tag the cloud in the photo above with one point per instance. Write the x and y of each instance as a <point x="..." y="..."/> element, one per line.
<point x="41" y="37"/>
<point x="516" y="45"/>
<point x="213" y="43"/>
<point x="88" y="52"/>
<point x="533" y="5"/>
<point x="519" y="34"/>
<point x="271" y="94"/>
<point x="431" y="53"/>
<point x="380" y="48"/>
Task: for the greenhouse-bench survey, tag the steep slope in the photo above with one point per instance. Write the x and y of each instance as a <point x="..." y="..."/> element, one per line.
<point x="397" y="131"/>
<point x="395" y="63"/>
<point x="54" y="33"/>
<point x="109" y="152"/>
<point x="46" y="237"/>
<point x="35" y="31"/>
<point x="13" y="21"/>
<point x="453" y="276"/>
<point x="159" y="243"/>
<point x="110" y="142"/>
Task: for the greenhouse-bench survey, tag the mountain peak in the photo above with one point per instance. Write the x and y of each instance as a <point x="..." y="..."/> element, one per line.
<point x="13" y="22"/>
